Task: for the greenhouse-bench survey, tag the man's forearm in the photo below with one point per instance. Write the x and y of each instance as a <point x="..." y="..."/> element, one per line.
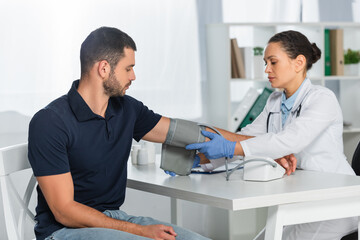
<point x="77" y="215"/>
<point x="234" y="137"/>
<point x="59" y="194"/>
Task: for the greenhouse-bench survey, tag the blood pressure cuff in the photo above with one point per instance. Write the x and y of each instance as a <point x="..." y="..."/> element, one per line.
<point x="174" y="156"/>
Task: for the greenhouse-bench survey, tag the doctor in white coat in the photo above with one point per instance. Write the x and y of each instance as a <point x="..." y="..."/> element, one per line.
<point x="303" y="119"/>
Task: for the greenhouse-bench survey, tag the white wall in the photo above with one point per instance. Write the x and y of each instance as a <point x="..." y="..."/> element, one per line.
<point x="39" y="57"/>
<point x="40" y="44"/>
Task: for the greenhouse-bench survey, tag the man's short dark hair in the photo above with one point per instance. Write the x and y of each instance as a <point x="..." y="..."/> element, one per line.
<point x="104" y="43"/>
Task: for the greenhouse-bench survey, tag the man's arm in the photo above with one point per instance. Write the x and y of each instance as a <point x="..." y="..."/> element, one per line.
<point x="159" y="132"/>
<point x="233" y="137"/>
<point x="59" y="194"/>
<point x="225" y="145"/>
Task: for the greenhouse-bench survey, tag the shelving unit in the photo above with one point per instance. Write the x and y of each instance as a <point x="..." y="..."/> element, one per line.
<point x="226" y="93"/>
<point x="257" y="34"/>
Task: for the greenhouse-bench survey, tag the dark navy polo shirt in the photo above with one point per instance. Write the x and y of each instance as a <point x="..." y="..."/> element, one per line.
<point x="66" y="136"/>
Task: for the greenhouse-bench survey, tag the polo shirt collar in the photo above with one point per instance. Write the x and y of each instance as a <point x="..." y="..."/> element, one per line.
<point x="78" y="105"/>
<point x="110" y="110"/>
<point x="81" y="110"/>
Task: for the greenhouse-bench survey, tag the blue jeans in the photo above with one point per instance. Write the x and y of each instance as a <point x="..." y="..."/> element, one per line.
<point x="104" y="233"/>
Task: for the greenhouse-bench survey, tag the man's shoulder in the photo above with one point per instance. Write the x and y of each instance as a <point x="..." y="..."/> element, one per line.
<point x="59" y="103"/>
<point x="54" y="110"/>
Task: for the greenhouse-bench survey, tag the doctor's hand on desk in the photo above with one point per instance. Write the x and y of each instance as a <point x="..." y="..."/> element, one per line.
<point x="288" y="162"/>
<point x="217" y="147"/>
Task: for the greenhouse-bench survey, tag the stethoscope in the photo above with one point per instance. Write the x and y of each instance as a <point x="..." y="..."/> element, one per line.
<point x="298" y="110"/>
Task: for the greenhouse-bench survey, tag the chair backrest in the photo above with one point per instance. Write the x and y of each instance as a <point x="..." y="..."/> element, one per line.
<point x="15" y="206"/>
<point x="13" y="128"/>
<point x="355" y="163"/>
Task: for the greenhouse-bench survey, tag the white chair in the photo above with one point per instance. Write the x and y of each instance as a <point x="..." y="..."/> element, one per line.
<point x="18" y="218"/>
<point x="13" y="128"/>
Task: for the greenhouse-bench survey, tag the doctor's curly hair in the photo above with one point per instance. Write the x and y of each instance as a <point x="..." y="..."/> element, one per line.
<point x="295" y="43"/>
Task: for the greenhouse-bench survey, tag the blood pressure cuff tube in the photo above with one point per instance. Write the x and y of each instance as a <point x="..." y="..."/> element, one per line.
<point x="174" y="156"/>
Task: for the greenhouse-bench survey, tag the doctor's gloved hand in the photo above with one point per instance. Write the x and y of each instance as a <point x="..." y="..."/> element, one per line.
<point x="195" y="164"/>
<point x="217" y="147"/>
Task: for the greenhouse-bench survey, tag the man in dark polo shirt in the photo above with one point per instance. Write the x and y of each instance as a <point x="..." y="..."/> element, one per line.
<point x="79" y="145"/>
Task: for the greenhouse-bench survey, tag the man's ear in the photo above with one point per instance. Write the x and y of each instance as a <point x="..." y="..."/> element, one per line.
<point x="103" y="69"/>
<point x="300" y="63"/>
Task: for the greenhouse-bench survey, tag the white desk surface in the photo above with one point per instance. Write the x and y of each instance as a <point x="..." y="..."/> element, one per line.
<point x="237" y="194"/>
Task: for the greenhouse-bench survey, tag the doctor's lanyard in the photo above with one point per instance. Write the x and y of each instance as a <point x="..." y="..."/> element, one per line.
<point x="268" y="118"/>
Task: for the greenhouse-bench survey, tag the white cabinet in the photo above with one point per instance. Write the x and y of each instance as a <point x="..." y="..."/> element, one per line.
<point x="225" y="93"/>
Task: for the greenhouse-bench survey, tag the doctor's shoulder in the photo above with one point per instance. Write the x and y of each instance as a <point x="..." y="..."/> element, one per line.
<point x="323" y="93"/>
<point x="322" y="98"/>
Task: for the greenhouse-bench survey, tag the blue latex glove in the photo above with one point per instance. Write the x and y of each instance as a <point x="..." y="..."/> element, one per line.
<point x="170" y="173"/>
<point x="217" y="147"/>
<point x="196" y="161"/>
<point x="196" y="164"/>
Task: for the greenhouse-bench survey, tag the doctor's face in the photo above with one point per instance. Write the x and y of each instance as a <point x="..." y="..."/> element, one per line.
<point x="279" y="67"/>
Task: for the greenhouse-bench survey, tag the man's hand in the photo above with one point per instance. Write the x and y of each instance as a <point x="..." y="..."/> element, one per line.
<point x="217" y="147"/>
<point x="195" y="164"/>
<point x="171" y="173"/>
<point x="203" y="159"/>
<point x="159" y="232"/>
<point x="288" y="162"/>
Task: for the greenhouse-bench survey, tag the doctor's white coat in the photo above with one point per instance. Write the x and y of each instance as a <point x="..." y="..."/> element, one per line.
<point x="312" y="131"/>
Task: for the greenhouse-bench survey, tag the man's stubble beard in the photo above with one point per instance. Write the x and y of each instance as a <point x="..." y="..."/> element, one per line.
<point x="112" y="87"/>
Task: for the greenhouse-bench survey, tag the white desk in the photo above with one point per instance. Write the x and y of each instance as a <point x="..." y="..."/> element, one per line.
<point x="305" y="196"/>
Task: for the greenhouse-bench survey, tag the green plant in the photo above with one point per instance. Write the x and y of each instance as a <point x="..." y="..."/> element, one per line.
<point x="351" y="56"/>
<point x="258" y="51"/>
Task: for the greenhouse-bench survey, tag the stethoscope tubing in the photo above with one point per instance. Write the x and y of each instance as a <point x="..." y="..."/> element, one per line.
<point x="298" y="110"/>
